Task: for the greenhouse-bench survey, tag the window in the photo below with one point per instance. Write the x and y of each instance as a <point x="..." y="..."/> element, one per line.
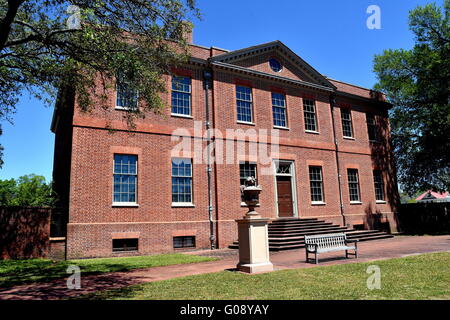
<point x="379" y="185"/>
<point x="372" y="127"/>
<point x="347" y="126"/>
<point x="125" y="178"/>
<point x="283" y="168"/>
<point x="127" y="97"/>
<point x="181" y="181"/>
<point x="121" y="245"/>
<point x="181" y="96"/>
<point x="309" y="110"/>
<point x="279" y="110"/>
<point x="353" y="185"/>
<point x="184" y="242"/>
<point x="316" y="184"/>
<point x="275" y="65"/>
<point x="244" y="104"/>
<point x="246" y="169"/>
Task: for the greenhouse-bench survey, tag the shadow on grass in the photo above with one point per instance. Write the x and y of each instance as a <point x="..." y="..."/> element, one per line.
<point x="44" y="272"/>
<point x="17" y="272"/>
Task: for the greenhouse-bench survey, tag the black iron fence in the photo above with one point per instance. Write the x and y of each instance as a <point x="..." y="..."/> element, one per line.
<point x="424" y="218"/>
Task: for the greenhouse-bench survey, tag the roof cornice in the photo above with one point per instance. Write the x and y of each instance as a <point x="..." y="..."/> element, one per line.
<point x="357" y="97"/>
<point x="274" y="45"/>
<point x="240" y="69"/>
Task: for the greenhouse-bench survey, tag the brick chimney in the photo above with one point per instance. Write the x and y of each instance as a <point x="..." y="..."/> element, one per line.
<point x="188" y="32"/>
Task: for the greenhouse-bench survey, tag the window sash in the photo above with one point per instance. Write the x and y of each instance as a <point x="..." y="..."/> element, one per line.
<point x="246" y="169"/>
<point x="353" y="185"/>
<point x="316" y="184"/>
<point x="244" y="104"/>
<point x="181" y="180"/>
<point x="125" y="178"/>
<point x="181" y="95"/>
<point x="279" y="110"/>
<point x="379" y="185"/>
<point x="184" y="242"/>
<point x="310" y="116"/>
<point x="347" y="125"/>
<point x="126" y="97"/>
<point x="372" y="127"/>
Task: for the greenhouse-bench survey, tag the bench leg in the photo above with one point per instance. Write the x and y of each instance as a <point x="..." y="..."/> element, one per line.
<point x="346" y="254"/>
<point x="307" y="258"/>
<point x="317" y="258"/>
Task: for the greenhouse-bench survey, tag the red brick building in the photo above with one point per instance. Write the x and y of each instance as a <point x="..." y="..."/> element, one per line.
<point x="126" y="189"/>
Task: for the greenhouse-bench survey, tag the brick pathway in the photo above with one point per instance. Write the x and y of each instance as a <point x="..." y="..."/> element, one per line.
<point x="368" y="251"/>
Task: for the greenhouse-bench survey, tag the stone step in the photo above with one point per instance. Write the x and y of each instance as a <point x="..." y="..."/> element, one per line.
<point x="296" y="223"/>
<point x="299" y="227"/>
<point x="334" y="229"/>
<point x="293" y="220"/>
<point x="359" y="233"/>
<point x="288" y="245"/>
<point x="285" y="234"/>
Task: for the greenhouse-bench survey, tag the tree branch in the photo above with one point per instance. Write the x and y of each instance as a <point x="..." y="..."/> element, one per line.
<point x="5" y="23"/>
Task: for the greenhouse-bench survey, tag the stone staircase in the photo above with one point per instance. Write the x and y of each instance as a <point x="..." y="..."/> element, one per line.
<point x="285" y="234"/>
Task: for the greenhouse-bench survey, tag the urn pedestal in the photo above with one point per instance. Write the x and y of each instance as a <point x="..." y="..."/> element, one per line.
<point x="253" y="245"/>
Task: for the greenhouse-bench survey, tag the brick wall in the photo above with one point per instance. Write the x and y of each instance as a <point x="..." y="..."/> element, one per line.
<point x="97" y="136"/>
<point x="24" y="232"/>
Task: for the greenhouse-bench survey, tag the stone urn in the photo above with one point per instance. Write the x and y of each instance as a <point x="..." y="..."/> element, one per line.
<point x="250" y="192"/>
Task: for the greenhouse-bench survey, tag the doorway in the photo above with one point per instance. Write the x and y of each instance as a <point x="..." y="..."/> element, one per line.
<point x="285" y="189"/>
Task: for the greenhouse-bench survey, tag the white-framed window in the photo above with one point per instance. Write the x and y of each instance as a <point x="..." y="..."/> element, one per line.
<point x="126" y="95"/>
<point x="244" y="104"/>
<point x="353" y="185"/>
<point x="246" y="169"/>
<point x="379" y="185"/>
<point x="309" y="111"/>
<point x="279" y="110"/>
<point x="347" y="125"/>
<point x="372" y="128"/>
<point x="125" y="179"/>
<point x="182" y="181"/>
<point x="181" y="96"/>
<point x="316" y="184"/>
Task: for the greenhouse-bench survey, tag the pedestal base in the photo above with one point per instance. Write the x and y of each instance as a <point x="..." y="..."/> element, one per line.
<point x="255" y="267"/>
<point x="253" y="245"/>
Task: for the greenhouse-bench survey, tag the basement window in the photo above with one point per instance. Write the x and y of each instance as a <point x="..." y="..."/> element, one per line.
<point x="184" y="242"/>
<point x="124" y="245"/>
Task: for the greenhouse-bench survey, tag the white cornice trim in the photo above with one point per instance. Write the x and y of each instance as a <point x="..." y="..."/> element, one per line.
<point x="270" y="76"/>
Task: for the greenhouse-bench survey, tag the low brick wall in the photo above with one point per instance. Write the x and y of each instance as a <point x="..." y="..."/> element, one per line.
<point x="24" y="232"/>
<point x="424" y="218"/>
<point x="57" y="249"/>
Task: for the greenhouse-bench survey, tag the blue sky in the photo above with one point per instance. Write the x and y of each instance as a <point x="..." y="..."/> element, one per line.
<point x="330" y="35"/>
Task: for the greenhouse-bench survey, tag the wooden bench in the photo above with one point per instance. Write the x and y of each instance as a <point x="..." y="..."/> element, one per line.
<point x="327" y="243"/>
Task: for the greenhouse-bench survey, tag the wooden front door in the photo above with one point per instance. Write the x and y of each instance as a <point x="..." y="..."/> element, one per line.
<point x="284" y="190"/>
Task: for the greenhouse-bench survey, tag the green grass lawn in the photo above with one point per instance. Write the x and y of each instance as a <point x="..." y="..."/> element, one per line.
<point x="15" y="272"/>
<point x="424" y="276"/>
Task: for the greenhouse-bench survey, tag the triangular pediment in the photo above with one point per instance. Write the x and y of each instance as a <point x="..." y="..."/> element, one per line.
<point x="258" y="58"/>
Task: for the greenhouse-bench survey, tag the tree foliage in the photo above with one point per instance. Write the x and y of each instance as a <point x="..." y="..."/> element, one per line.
<point x="29" y="190"/>
<point x="416" y="82"/>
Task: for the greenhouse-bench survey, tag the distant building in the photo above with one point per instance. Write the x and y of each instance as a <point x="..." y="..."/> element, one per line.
<point x="431" y="196"/>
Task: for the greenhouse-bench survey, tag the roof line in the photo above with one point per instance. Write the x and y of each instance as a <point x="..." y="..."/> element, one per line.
<point x="268" y="75"/>
<point x="350" y="84"/>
